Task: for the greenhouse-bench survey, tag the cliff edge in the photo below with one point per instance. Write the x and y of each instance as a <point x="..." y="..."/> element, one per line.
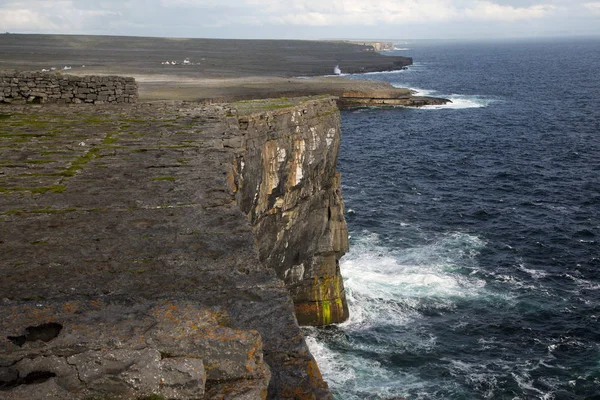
<point x="288" y="186"/>
<point x="144" y="249"/>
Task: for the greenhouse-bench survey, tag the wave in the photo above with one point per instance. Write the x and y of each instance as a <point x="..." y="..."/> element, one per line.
<point x="395" y="290"/>
<point x="386" y="286"/>
<point x="459" y="101"/>
<point x="354" y="376"/>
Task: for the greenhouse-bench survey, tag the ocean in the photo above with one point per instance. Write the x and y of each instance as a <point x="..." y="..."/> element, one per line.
<point x="474" y="262"/>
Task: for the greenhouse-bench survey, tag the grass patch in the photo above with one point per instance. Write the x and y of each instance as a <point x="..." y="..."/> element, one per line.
<point x="37" y="190"/>
<point x="80" y="162"/>
<point x="27" y="135"/>
<point x="142" y="260"/>
<point x="95" y="120"/>
<point x="136" y="271"/>
<point x="109" y="139"/>
<point x="51" y="189"/>
<point x="278" y="106"/>
<point x="4" y="116"/>
<point x="30" y="122"/>
<point x="14" y="212"/>
<point x="164" y="178"/>
<point x="40" y="211"/>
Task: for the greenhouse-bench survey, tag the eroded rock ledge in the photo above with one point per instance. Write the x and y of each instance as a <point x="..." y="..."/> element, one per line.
<point x="287" y="184"/>
<point x="144" y="248"/>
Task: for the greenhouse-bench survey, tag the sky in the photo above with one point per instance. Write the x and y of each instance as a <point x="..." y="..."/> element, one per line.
<point x="305" y="19"/>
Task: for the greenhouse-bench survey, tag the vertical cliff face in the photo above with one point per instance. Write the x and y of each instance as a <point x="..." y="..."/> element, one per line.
<point x="286" y="182"/>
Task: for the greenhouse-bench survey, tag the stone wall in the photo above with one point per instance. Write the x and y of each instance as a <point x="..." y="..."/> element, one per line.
<point x="39" y="87"/>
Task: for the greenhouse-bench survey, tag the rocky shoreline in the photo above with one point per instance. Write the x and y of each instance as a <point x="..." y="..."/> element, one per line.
<point x="170" y="248"/>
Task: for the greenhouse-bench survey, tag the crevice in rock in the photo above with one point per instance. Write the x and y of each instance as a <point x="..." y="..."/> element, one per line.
<point x="32" y="378"/>
<point x="44" y="332"/>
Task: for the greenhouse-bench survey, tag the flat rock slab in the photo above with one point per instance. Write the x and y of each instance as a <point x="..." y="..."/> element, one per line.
<point x="131" y="205"/>
<point x="208" y="58"/>
<point x="123" y="349"/>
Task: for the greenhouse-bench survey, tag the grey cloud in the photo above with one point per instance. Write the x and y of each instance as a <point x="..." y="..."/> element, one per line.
<point x="309" y="19"/>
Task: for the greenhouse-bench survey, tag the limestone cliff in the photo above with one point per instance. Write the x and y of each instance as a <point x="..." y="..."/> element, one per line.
<point x="129" y="269"/>
<point x="287" y="184"/>
<point x="375" y="46"/>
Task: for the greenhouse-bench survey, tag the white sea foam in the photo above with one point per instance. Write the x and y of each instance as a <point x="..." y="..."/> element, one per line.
<point x="355" y="375"/>
<point x="389" y="286"/>
<point x="337" y="370"/>
<point x="583" y="283"/>
<point x="460" y="102"/>
<point x="535" y="273"/>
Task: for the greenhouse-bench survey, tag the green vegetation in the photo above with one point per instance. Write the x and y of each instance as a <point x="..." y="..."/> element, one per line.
<point x="35" y="190"/>
<point x="80" y="162"/>
<point x="92" y="153"/>
<point x="95" y="119"/>
<point x="142" y="260"/>
<point x="46" y="210"/>
<point x="136" y="271"/>
<point x="164" y="178"/>
<point x="4" y="116"/>
<point x="109" y="139"/>
<point x="30" y="122"/>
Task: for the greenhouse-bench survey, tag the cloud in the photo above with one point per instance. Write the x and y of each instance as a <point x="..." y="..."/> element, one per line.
<point x="294" y="18"/>
<point x="593" y="7"/>
<point x="485" y="10"/>
<point x="51" y="16"/>
<point x="22" y="19"/>
<point x="362" y="13"/>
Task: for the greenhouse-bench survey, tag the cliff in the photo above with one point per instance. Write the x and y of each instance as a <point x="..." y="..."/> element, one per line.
<point x="287" y="184"/>
<point x="375" y="46"/>
<point x="145" y="249"/>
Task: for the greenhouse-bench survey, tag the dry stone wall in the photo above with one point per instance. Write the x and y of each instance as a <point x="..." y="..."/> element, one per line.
<point x="39" y="87"/>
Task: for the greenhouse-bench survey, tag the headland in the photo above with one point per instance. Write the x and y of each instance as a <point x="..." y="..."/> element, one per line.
<point x="169" y="247"/>
<point x="215" y="70"/>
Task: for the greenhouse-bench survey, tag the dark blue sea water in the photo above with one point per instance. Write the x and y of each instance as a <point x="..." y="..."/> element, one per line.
<point x="474" y="268"/>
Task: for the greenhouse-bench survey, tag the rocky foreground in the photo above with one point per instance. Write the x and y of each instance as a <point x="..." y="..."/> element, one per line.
<point x="128" y="255"/>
